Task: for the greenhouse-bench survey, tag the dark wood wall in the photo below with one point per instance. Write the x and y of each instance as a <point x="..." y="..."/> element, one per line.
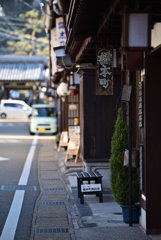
<point x="97" y="117"/>
<point x="152" y="149"/>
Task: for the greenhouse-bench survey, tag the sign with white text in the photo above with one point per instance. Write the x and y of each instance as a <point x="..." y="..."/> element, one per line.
<point x="61" y="35"/>
<point x="55" y="43"/>
<point x="91" y="187"/>
<point x="104" y="75"/>
<point x="73" y="130"/>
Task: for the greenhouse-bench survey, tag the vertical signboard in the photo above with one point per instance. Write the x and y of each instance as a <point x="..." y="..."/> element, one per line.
<point x="141" y="105"/>
<point x="104" y="75"/>
<point x="61" y="35"/>
<point x="55" y="43"/>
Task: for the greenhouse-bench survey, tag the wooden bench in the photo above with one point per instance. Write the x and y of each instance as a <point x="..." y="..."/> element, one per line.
<point x="88" y="188"/>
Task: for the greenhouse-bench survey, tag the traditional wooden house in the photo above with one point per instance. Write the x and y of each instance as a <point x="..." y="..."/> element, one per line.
<point x="21" y="73"/>
<point x="117" y="42"/>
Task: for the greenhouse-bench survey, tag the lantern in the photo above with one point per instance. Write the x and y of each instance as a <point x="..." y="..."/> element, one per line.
<point x="136" y="37"/>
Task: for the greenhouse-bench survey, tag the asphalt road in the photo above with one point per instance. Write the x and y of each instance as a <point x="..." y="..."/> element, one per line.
<point x="15" y="145"/>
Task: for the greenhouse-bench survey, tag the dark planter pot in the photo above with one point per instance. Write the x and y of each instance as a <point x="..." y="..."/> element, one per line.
<point x="135" y="213"/>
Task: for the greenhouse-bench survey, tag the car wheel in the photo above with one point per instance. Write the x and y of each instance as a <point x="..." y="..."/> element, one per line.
<point x="54" y="133"/>
<point x="31" y="133"/>
<point x="3" y="115"/>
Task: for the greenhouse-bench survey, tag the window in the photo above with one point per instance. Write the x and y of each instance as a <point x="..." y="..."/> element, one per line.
<point x="10" y="105"/>
<point x="44" y="112"/>
<point x="19" y="106"/>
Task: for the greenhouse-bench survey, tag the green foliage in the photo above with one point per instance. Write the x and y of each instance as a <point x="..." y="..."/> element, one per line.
<point x="119" y="177"/>
<point x="32" y="37"/>
<point x="29" y="14"/>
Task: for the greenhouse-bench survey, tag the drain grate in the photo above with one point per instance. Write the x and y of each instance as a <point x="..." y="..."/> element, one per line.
<point x="18" y="187"/>
<point x="54" y="189"/>
<point x="117" y="213"/>
<point x="115" y="221"/>
<point x="51" y="203"/>
<point x="49" y="179"/>
<point x="88" y="225"/>
<point x="51" y="230"/>
<point x="50" y="170"/>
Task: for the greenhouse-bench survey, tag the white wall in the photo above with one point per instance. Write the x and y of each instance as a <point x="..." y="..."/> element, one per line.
<point x="156" y="35"/>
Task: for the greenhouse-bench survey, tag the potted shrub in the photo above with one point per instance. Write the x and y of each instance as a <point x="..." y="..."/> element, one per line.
<point x="119" y="178"/>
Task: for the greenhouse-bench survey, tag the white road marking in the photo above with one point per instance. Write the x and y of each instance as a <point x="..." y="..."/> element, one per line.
<point x="9" y="141"/>
<point x="14" y="141"/>
<point x="9" y="229"/>
<point x="10" y="226"/>
<point x="27" y="167"/>
<point x="45" y="137"/>
<point x="4" y="159"/>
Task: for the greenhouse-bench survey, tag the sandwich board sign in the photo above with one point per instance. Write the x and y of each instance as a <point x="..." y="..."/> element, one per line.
<point x="63" y="140"/>
<point x="73" y="147"/>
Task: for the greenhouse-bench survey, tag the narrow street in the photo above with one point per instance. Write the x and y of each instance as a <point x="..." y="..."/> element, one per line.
<point x="39" y="198"/>
<point x="18" y="179"/>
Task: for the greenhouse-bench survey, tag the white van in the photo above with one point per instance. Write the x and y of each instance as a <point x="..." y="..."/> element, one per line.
<point x="15" y="109"/>
<point x="43" y="119"/>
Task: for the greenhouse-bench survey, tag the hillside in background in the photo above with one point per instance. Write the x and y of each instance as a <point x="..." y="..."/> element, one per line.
<point x="22" y="29"/>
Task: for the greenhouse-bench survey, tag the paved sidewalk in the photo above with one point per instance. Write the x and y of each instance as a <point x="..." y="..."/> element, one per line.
<point x="59" y="215"/>
<point x="51" y="218"/>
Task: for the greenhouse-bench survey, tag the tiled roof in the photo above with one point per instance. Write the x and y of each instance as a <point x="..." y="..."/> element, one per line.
<point x="22" y="68"/>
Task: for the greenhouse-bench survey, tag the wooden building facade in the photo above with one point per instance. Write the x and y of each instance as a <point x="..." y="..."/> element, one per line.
<point x="128" y="34"/>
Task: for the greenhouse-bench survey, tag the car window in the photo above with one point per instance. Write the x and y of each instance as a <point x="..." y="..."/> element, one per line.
<point x="10" y="105"/>
<point x="44" y="112"/>
<point x="19" y="106"/>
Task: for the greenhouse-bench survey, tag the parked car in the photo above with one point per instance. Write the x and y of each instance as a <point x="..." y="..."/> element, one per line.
<point x="43" y="119"/>
<point x="14" y="109"/>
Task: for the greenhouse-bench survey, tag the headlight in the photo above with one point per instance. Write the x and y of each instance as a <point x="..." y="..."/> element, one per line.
<point x="32" y="120"/>
<point x="54" y="120"/>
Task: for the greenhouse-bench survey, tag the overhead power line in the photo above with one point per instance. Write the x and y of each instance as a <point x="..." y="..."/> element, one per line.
<point x="18" y="36"/>
<point x="14" y="19"/>
<point x="22" y="24"/>
<point x="30" y="6"/>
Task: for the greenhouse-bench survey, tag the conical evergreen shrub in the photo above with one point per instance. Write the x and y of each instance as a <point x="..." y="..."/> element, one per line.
<point x="119" y="177"/>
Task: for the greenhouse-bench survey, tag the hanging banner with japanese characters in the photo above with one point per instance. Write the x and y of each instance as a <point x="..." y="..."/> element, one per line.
<point x="61" y="35"/>
<point x="104" y="75"/>
<point x="54" y="43"/>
